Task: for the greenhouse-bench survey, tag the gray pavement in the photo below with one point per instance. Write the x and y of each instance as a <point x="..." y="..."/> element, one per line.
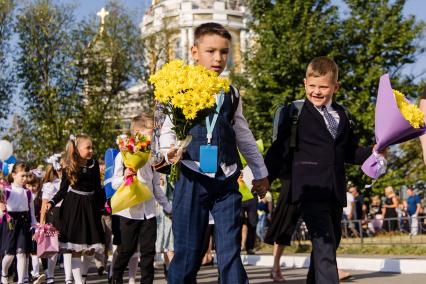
<point x="208" y="275"/>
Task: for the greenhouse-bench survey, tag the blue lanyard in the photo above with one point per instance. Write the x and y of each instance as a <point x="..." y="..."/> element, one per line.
<point x="210" y="126"/>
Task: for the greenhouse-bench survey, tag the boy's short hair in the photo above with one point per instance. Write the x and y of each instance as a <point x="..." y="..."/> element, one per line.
<point x="142" y="120"/>
<point x="321" y="66"/>
<point x="211" y="29"/>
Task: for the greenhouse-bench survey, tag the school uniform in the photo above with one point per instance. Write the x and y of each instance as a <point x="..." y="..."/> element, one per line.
<point x="316" y="183"/>
<point x="138" y="224"/>
<point x="196" y="193"/>
<point x="80" y="225"/>
<point x="16" y="233"/>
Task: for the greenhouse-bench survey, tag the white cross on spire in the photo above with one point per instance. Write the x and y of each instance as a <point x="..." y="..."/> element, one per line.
<point x="102" y="14"/>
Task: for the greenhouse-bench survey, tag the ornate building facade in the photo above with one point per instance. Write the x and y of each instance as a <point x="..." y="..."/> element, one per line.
<point x="177" y="19"/>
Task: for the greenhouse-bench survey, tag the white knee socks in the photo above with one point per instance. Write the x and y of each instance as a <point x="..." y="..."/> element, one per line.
<point x="68" y="267"/>
<point x="76" y="269"/>
<point x="5" y="264"/>
<point x="22" y="267"/>
<point x="35" y="263"/>
<point x="51" y="263"/>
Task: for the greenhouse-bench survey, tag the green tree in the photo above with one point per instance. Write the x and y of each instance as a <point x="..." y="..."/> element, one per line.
<point x="288" y="34"/>
<point x="6" y="75"/>
<point x="48" y="74"/>
<point x="376" y="39"/>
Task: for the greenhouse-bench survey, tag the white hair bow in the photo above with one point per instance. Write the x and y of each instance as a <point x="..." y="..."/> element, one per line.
<point x="37" y="172"/>
<point x="73" y="138"/>
<point x="54" y="160"/>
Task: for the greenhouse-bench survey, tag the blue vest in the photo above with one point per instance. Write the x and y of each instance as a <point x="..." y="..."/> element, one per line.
<point x="223" y="136"/>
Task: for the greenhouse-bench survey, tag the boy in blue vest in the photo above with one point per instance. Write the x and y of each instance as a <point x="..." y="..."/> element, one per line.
<point x="196" y="193"/>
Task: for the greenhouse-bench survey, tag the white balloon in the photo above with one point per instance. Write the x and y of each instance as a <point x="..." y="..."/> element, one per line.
<point x="6" y="150"/>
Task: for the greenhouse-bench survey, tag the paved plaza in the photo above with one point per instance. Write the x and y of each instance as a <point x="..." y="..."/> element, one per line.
<point x="208" y="275"/>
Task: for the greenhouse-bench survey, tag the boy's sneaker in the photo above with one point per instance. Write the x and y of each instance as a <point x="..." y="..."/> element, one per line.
<point x="39" y="279"/>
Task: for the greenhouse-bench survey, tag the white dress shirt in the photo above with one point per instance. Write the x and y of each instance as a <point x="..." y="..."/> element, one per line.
<point x="146" y="209"/>
<point x="18" y="202"/>
<point x="332" y="111"/>
<point x="245" y="143"/>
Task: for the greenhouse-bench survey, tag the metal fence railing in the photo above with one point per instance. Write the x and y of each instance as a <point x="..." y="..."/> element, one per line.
<point x="379" y="231"/>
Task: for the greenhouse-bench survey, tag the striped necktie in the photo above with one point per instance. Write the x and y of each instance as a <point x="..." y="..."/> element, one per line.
<point x="332" y="124"/>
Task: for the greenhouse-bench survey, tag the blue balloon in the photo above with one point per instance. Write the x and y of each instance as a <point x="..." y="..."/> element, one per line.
<point x="11" y="160"/>
<point x="5" y="167"/>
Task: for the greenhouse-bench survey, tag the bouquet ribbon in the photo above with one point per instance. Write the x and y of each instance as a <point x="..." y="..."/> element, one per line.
<point x="390" y="128"/>
<point x="131" y="191"/>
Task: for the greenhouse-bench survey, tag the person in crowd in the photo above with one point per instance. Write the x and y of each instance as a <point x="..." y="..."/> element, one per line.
<point x="138" y="224"/>
<point x="375" y="214"/>
<point x="196" y="193"/>
<point x="80" y="227"/>
<point x="34" y="184"/>
<point x="17" y="218"/>
<point x="264" y="212"/>
<point x="164" y="243"/>
<point x="315" y="175"/>
<point x="359" y="208"/>
<point x="413" y="209"/>
<point x="249" y="222"/>
<point x="51" y="185"/>
<point x="348" y="215"/>
<point x="389" y="210"/>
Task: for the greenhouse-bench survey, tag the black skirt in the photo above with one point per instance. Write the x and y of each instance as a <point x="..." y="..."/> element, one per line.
<point x="16" y="234"/>
<point x="79" y="223"/>
<point x="284" y="218"/>
<point x="52" y="217"/>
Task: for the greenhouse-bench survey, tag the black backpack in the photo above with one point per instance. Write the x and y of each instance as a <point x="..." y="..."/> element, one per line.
<point x="293" y="110"/>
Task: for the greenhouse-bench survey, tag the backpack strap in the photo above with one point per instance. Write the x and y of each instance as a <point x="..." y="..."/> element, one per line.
<point x="294" y="109"/>
<point x="235" y="98"/>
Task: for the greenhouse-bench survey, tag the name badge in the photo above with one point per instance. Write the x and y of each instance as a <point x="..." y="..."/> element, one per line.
<point x="208" y="158"/>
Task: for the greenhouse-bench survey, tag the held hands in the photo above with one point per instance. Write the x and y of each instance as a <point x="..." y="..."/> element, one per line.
<point x="2" y="206"/>
<point x="260" y="186"/>
<point x="384" y="152"/>
<point x="129" y="172"/>
<point x="172" y="155"/>
<point x="48" y="206"/>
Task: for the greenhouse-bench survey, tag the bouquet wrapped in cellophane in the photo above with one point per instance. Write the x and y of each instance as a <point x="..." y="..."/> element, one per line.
<point x="136" y="152"/>
<point x="396" y="121"/>
<point x="187" y="93"/>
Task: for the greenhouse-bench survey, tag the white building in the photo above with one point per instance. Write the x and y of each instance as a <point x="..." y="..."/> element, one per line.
<point x="181" y="17"/>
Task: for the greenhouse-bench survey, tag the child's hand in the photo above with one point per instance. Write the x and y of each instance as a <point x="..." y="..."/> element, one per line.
<point x="129" y="172"/>
<point x="260" y="186"/>
<point x="48" y="206"/>
<point x="172" y="155"/>
<point x="2" y="206"/>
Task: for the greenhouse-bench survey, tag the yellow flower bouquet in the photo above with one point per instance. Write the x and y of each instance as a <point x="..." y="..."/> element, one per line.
<point x="187" y="94"/>
<point x="136" y="152"/>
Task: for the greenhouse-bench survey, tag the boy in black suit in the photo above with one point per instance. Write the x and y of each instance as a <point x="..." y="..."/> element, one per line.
<point x="316" y="173"/>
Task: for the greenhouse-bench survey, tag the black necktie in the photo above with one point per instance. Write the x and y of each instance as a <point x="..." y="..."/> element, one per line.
<point x="332" y="124"/>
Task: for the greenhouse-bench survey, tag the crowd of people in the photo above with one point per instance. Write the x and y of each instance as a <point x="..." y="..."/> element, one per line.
<point x="388" y="213"/>
<point x="202" y="210"/>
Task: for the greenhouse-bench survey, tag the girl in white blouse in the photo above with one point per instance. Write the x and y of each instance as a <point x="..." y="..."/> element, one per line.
<point x="17" y="219"/>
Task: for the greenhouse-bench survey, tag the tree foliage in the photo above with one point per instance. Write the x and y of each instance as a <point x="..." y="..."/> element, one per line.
<point x="6" y="75"/>
<point x="373" y="39"/>
<point x="48" y="74"/>
<point x="74" y="77"/>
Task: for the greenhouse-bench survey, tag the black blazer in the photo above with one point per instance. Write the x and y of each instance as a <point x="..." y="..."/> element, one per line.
<point x="316" y="167"/>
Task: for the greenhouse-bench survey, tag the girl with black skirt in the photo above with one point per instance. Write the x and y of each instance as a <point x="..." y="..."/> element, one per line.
<point x="51" y="185"/>
<point x="17" y="219"/>
<point x="80" y="224"/>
